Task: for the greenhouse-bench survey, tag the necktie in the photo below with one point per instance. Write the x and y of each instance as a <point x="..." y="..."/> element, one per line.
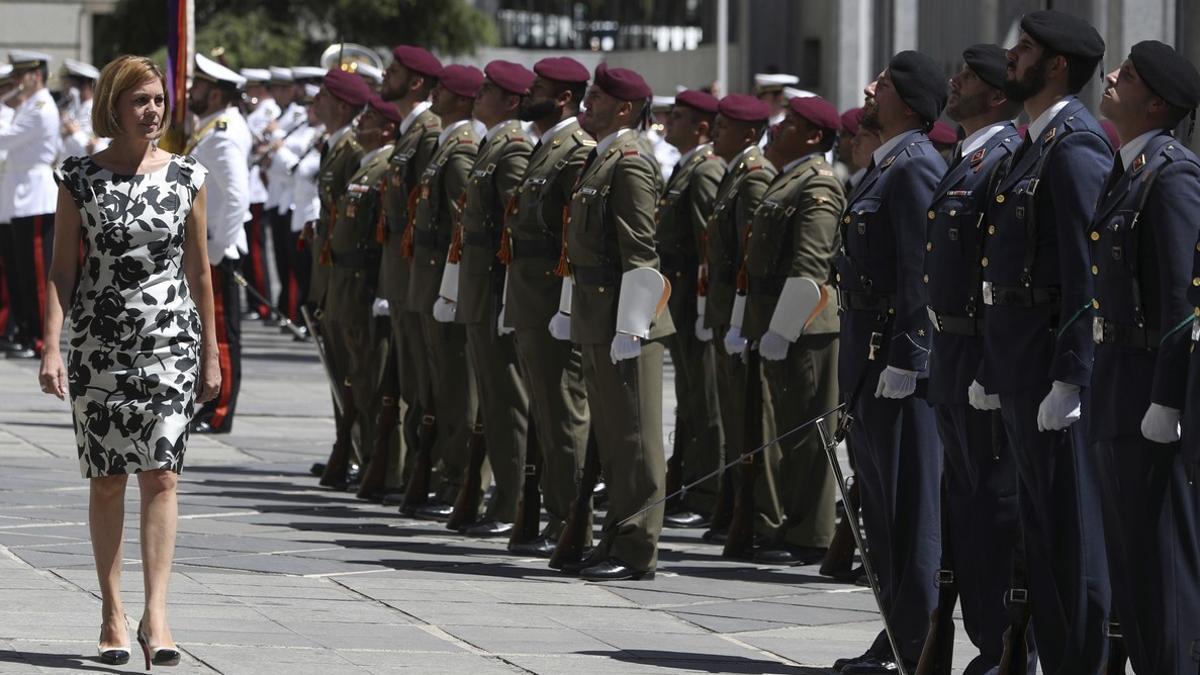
<point x="956" y="157"/>
<point x="1114" y="177"/>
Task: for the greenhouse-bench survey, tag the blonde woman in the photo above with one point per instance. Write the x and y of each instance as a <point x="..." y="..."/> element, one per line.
<point x="141" y="344"/>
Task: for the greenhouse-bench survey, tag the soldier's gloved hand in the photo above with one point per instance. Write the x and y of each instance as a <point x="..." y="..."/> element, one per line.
<point x="773" y="346"/>
<point x="560" y="326"/>
<point x="979" y="399"/>
<point x="703" y="333"/>
<point x="625" y="346"/>
<point x="1060" y="409"/>
<point x="501" y="327"/>
<point x="443" y="310"/>
<point x="1161" y="424"/>
<point x="735" y="344"/>
<point x="380" y="308"/>
<point x="896" y="383"/>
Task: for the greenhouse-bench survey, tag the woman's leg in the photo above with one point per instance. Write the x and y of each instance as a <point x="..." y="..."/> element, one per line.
<point x="159" y="512"/>
<point x="106" y="519"/>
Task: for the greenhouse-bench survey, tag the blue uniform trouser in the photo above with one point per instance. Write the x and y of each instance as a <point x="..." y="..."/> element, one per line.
<point x="898" y="468"/>
<point x="1152" y="528"/>
<point x="979" y="523"/>
<point x="1058" y="493"/>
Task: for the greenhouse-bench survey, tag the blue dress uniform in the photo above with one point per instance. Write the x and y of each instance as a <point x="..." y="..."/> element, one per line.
<point x="979" y="519"/>
<point x="1142" y="241"/>
<point x="885" y="323"/>
<point x="1038" y="331"/>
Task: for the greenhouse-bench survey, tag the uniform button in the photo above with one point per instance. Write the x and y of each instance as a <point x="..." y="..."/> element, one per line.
<point x="601" y="289"/>
<point x="1095" y="304"/>
<point x="991" y="229"/>
<point x="1196" y="281"/>
<point x="999" y="199"/>
<point x="925" y="278"/>
<point x="846" y="219"/>
<point x="984" y="262"/>
<point x="954" y="212"/>
<point x="929" y="246"/>
<point x="1095" y="270"/>
<point x="547" y="272"/>
<point x="1095" y="236"/>
<point x="839" y="277"/>
<point x="1198" y="247"/>
<point x="932" y="215"/>
<point x="432" y="261"/>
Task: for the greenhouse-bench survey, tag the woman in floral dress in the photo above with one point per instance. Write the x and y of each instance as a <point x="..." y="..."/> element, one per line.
<point x="141" y="345"/>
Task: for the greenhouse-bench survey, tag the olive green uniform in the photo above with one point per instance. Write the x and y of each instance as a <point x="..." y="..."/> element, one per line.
<point x="795" y="234"/>
<point x="682" y="216"/>
<point x="552" y="369"/>
<point x="455" y="401"/>
<point x="746" y="179"/>
<point x="505" y="405"/>
<point x="353" y="280"/>
<point x="610" y="232"/>
<point x="411" y="153"/>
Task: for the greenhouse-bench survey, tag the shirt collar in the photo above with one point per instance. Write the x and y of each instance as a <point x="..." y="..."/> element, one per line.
<point x="980" y="137"/>
<point x="449" y="131"/>
<point x="1039" y="125"/>
<point x="552" y="131"/>
<point x="339" y="134"/>
<point x="411" y="117"/>
<point x="795" y="163"/>
<point x="366" y="159"/>
<point x="495" y="128"/>
<point x="741" y="156"/>
<point x="606" y="142"/>
<point x="890" y="144"/>
<point x="210" y="117"/>
<point x="692" y="153"/>
<point x="1129" y="151"/>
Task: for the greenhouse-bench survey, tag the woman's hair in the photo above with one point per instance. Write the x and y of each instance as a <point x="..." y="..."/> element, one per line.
<point x="119" y="76"/>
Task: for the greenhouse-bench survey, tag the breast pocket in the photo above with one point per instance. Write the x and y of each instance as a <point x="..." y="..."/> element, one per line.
<point x="956" y="220"/>
<point x="862" y="226"/>
<point x="1118" y="247"/>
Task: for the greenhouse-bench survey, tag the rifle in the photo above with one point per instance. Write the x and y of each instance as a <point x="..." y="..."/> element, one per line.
<point x="338" y="465"/>
<point x="1015" y="658"/>
<point x="723" y="513"/>
<point x="417" y="490"/>
<point x="937" y="655"/>
<point x="374" y="478"/>
<point x="528" y="522"/>
<point x="839" y="558"/>
<point x="466" y="504"/>
<point x="298" y="331"/>
<point x="675" y="464"/>
<point x="577" y="529"/>
<point x="1117" y="653"/>
<point x="319" y="341"/>
<point x="739" y="543"/>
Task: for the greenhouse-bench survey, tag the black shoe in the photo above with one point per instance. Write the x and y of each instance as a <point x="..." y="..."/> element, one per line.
<point x="10" y="345"/>
<point x="317" y="469"/>
<point x="394" y="497"/>
<point x="841" y="664"/>
<point x="614" y="570"/>
<point x="789" y="555"/>
<point x="21" y="353"/>
<point x="873" y="665"/>
<point x="584" y="562"/>
<point x="542" y="547"/>
<point x="686" y="518"/>
<point x="600" y="495"/>
<point x="434" y="511"/>
<point x="202" y="427"/>
<point x="715" y="536"/>
<point x="488" y="528"/>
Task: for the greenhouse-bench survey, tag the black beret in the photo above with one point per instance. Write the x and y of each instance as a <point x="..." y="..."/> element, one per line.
<point x="1170" y="76"/>
<point x="989" y="62"/>
<point x="1063" y="33"/>
<point x="920" y="83"/>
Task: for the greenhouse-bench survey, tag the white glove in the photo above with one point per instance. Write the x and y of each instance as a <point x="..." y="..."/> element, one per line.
<point x="1060" y="409"/>
<point x="735" y="344"/>
<point x="1161" y="424"/>
<point x="560" y="326"/>
<point x="896" y="383"/>
<point x="980" y="399"/>
<point x="443" y="310"/>
<point x="501" y="327"/>
<point x="625" y="346"/>
<point x="380" y="308"/>
<point x="703" y="333"/>
<point x="773" y="346"/>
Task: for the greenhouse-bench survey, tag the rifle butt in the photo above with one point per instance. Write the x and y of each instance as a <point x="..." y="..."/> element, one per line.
<point x="577" y="528"/>
<point x="375" y="475"/>
<point x="528" y="522"/>
<point x="417" y="492"/>
<point x="466" y="504"/>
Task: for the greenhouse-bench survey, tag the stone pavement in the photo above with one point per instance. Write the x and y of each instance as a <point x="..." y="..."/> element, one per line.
<point x="275" y="575"/>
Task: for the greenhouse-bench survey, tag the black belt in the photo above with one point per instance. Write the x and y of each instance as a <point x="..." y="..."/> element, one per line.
<point x="356" y="259"/>
<point x="534" y="248"/>
<point x="768" y="285"/>
<point x="1126" y="335"/>
<point x="861" y="301"/>
<point x="480" y="238"/>
<point x="594" y="276"/>
<point x="1020" y="296"/>
<point x="677" y="262"/>
<point x="430" y="238"/>
<point x="954" y="325"/>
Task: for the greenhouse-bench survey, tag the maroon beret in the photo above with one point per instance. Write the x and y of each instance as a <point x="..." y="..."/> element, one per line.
<point x="417" y="60"/>
<point x="511" y="77"/>
<point x="461" y="80"/>
<point x="851" y="119"/>
<point x="943" y="134"/>
<point x="562" y="69"/>
<point x="622" y="83"/>
<point x="386" y="109"/>
<point x="816" y="110"/>
<point x="347" y="87"/>
<point x="744" y="108"/>
<point x="706" y="103"/>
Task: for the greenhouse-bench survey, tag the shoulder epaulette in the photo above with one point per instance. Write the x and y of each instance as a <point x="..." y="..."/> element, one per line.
<point x="631" y="153"/>
<point x="221" y="125"/>
<point x="587" y="142"/>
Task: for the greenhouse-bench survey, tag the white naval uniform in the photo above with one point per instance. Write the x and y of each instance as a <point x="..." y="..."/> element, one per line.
<point x="305" y="165"/>
<point x="76" y="144"/>
<point x="256" y="121"/>
<point x="278" y="186"/>
<point x="31" y="141"/>
<point x="222" y="144"/>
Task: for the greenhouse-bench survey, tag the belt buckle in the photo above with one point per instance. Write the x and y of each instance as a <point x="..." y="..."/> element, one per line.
<point x="1196" y="329"/>
<point x="873" y="346"/>
<point x="945" y="577"/>
<point x="1098" y="330"/>
<point x="933" y="318"/>
<point x="1112" y="629"/>
<point x="988" y="298"/>
<point x="1018" y="595"/>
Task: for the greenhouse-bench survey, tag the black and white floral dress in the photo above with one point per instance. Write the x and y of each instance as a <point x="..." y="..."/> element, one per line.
<point x="134" y="335"/>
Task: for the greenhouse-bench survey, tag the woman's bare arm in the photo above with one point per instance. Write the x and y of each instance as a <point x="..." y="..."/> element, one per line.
<point x="59" y="286"/>
<point x="199" y="278"/>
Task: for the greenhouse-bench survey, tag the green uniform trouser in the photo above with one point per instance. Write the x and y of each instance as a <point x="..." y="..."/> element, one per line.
<point x="416" y="388"/>
<point x="803" y="386"/>
<point x="505" y="408"/>
<point x="698" y="417"/>
<point x="385" y="364"/>
<point x="352" y="346"/>
<point x="626" y="406"/>
<point x="455" y="400"/>
<point x="732" y="385"/>
<point x="553" y="373"/>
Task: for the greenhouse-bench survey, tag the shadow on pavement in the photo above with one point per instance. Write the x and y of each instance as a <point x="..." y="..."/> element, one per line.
<point x="61" y="661"/>
<point x="710" y="663"/>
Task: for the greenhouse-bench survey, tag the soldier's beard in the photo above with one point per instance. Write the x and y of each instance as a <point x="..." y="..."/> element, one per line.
<point x="531" y="111"/>
<point x="967" y="107"/>
<point x="870" y="118"/>
<point x="1022" y="89"/>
